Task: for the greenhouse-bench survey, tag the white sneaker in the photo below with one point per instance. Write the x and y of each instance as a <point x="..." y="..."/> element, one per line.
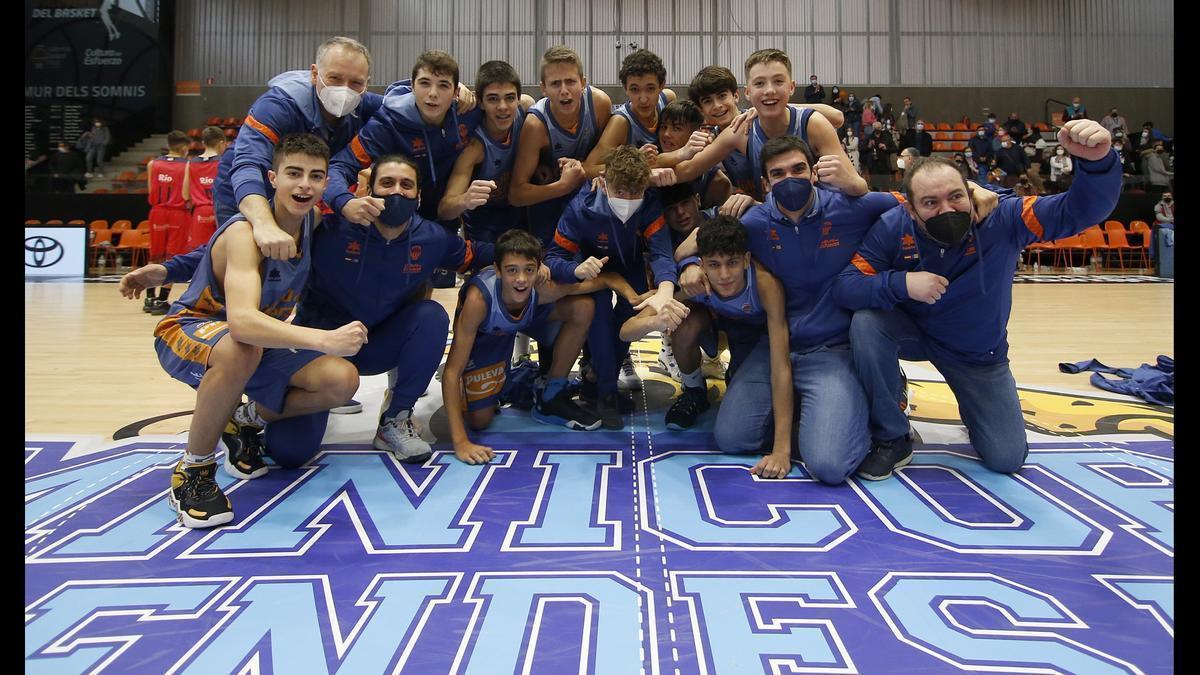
<point x="401" y="437"/>
<point x="714" y="366"/>
<point x="666" y="359"/>
<point x="628" y="378"/>
<point x="98" y="175"/>
<point x="88" y="175"/>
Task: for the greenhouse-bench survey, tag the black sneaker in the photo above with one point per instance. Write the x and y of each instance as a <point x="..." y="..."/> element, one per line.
<point x="610" y="408"/>
<point x="885" y="456"/>
<point x="690" y="404"/>
<point x="196" y="497"/>
<point x="562" y="411"/>
<point x="148" y="304"/>
<point x="159" y="307"/>
<point x="244" y="450"/>
<point x="589" y="394"/>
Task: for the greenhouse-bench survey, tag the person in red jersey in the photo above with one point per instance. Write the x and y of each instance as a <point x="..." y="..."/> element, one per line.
<point x="198" y="188"/>
<point x="166" y="178"/>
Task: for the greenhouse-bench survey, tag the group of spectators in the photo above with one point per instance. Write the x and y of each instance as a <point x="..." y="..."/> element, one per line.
<point x="68" y="166"/>
<point x="881" y="141"/>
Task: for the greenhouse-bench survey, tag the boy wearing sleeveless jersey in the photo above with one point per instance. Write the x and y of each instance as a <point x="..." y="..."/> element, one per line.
<point x="228" y="334"/>
<point x="166" y="180"/>
<point x="559" y="132"/>
<point x="635" y="122"/>
<point x="478" y="187"/>
<point x="746" y="302"/>
<point x="680" y="130"/>
<point x="493" y="306"/>
<point x="769" y="86"/>
<point x="201" y="177"/>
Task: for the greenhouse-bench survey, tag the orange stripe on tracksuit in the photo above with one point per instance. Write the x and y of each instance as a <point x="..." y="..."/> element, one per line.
<point x="262" y="129"/>
<point x="1030" y="218"/>
<point x="468" y="258"/>
<point x="862" y="265"/>
<point x="654" y="227"/>
<point x="565" y="243"/>
<point x="360" y="153"/>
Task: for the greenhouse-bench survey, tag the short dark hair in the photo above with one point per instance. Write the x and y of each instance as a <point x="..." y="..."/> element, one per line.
<point x="212" y="135"/>
<point x="924" y="164"/>
<point x="437" y="62"/>
<point x="177" y="138"/>
<point x="711" y="80"/>
<point x="518" y="242"/>
<point x="396" y="158"/>
<point x="781" y="146"/>
<point x="673" y="194"/>
<point x="496" y="72"/>
<point x="683" y="112"/>
<point x="723" y="234"/>
<point x="643" y="62"/>
<point x="300" y="144"/>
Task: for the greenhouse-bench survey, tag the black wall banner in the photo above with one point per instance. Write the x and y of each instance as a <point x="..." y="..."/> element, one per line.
<point x="96" y="58"/>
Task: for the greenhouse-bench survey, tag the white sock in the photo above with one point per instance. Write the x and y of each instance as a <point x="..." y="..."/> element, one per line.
<point x="694" y="379"/>
<point x="195" y="460"/>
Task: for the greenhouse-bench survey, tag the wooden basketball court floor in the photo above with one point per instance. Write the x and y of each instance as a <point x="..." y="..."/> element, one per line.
<point x="620" y="552"/>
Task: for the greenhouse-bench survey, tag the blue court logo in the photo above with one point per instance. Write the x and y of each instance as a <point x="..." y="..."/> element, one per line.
<point x="42" y="251"/>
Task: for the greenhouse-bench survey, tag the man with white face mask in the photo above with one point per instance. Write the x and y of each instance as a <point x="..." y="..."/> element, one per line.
<point x="618" y="228"/>
<point x="329" y="100"/>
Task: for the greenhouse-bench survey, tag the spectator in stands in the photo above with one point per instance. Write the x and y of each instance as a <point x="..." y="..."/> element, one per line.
<point x="850" y="141"/>
<point x="990" y="128"/>
<point x="1036" y="161"/>
<point x="1164" y="212"/>
<point x="853" y="114"/>
<point x="1158" y="178"/>
<point x="876" y="102"/>
<point x="814" y="92"/>
<point x="909" y="113"/>
<point x="1060" y="169"/>
<point x="979" y="151"/>
<point x="868" y="113"/>
<point x="1075" y="111"/>
<point x="1150" y="134"/>
<point x="1114" y="121"/>
<point x="880" y="148"/>
<point x="889" y="115"/>
<point x="905" y="159"/>
<point x="998" y="139"/>
<point x="918" y="138"/>
<point x="94" y="142"/>
<point x="1016" y="128"/>
<point x="1012" y="161"/>
<point x="964" y="167"/>
<point x="1025" y="188"/>
<point x="66" y="169"/>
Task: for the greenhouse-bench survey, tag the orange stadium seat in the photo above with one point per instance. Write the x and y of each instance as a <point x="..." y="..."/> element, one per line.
<point x="958" y="146"/>
<point x="1117" y="241"/>
<point x="33" y="221"/>
<point x="959" y="126"/>
<point x="77" y="221"/>
<point x="941" y="147"/>
<point x="943" y="126"/>
<point x="144" y="225"/>
<point x="230" y="122"/>
<point x="231" y="133"/>
<point x="140" y="190"/>
<point x="98" y="225"/>
<point x="1093" y="238"/>
<point x="101" y="191"/>
<point x="121" y="225"/>
<point x="135" y="242"/>
<point x="193" y="133"/>
<point x="146" y="160"/>
<point x="56" y="221"/>
<point x="213" y="121"/>
<point x="99" y="240"/>
<point x="940" y="136"/>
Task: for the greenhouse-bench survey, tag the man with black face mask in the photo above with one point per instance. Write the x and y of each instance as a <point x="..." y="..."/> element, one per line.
<point x="933" y="281"/>
<point x="375" y="274"/>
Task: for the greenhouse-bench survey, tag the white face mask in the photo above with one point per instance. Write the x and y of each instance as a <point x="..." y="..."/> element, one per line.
<point x="624" y="209"/>
<point x="338" y="101"/>
<point x="901" y="164"/>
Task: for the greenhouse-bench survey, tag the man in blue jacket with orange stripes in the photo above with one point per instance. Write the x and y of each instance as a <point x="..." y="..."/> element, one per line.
<point x="330" y="100"/>
<point x="933" y="281"/>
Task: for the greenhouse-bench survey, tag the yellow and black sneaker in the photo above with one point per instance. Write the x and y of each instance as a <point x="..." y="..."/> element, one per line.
<point x="243" y="449"/>
<point x="196" y="497"/>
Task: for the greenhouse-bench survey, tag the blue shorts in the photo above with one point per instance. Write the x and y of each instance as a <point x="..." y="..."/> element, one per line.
<point x="491" y="357"/>
<point x="184" y="348"/>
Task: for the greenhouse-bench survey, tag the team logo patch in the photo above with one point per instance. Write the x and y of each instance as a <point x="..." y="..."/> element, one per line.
<point x="907" y="241"/>
<point x="483" y="382"/>
<point x="830" y="243"/>
<point x="415" y="252"/>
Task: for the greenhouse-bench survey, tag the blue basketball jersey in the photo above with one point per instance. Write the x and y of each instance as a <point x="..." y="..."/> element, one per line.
<point x="744" y="306"/>
<point x="282" y="282"/>
<point x="638" y="134"/>
<point x="498" y="159"/>
<point x="563" y="143"/>
<point x="494" y="341"/>
<point x="797" y="126"/>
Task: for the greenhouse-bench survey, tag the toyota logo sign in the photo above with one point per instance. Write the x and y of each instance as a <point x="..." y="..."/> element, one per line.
<point x="41" y="251"/>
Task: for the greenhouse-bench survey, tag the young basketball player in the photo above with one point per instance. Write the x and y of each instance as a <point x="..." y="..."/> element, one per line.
<point x="201" y="176"/>
<point x="166" y="180"/>
<point x="635" y="122"/>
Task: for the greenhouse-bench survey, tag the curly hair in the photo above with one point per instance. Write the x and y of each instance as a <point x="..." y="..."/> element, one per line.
<point x="643" y="62"/>
<point x="626" y="168"/>
<point x="722" y="235"/>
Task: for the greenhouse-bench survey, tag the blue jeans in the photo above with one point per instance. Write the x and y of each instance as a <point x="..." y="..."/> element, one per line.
<point x="986" y="394"/>
<point x="832" y="433"/>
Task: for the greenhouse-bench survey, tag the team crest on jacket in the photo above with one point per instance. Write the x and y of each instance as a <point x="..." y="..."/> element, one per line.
<point x="907" y="241"/>
<point x="415" y="252"/>
<point x="602" y="240"/>
<point x="418" y="144"/>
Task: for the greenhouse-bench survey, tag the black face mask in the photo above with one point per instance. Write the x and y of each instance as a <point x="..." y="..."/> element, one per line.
<point x="397" y="210"/>
<point x="948" y="229"/>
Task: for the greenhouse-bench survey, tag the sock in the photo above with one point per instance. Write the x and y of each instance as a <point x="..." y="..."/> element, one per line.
<point x="554" y="386"/>
<point x="149" y="295"/>
<point x="694" y="379"/>
<point x="163" y="292"/>
<point x="248" y="415"/>
<point x="195" y="460"/>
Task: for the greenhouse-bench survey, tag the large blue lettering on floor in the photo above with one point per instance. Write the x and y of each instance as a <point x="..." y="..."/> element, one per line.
<point x="605" y="553"/>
